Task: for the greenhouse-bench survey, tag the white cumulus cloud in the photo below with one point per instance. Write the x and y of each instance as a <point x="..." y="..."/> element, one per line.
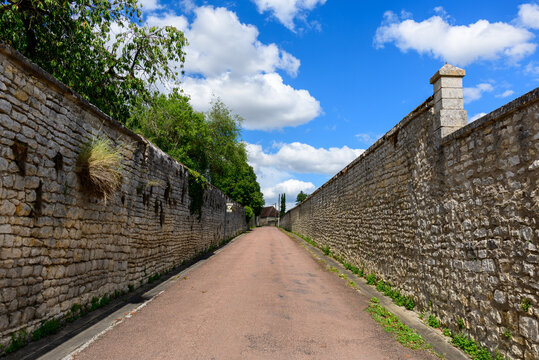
<point x="220" y="43"/>
<point x="180" y="22"/>
<point x="528" y="15"/>
<point x="302" y="158"/>
<point x="225" y="59"/>
<point x="274" y="170"/>
<point x="290" y="187"/>
<point x="263" y="100"/>
<point x="367" y="139"/>
<point x="475" y="93"/>
<point x="457" y="44"/>
<point x="150" y="5"/>
<point x="532" y="69"/>
<point x="505" y="94"/>
<point x="287" y="10"/>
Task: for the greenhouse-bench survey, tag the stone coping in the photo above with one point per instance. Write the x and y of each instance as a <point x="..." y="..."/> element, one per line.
<point x="497" y="114"/>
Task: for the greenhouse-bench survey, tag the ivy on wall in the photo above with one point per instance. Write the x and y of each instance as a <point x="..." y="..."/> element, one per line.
<point x="197" y="185"/>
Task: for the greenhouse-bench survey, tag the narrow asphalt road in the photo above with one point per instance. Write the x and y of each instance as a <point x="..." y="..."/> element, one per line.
<point x="262" y="297"/>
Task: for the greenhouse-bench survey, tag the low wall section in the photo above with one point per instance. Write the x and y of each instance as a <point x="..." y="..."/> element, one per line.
<point x="59" y="246"/>
<point x="448" y="213"/>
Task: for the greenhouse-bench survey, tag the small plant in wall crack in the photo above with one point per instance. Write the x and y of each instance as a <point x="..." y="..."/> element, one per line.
<point x="525" y="304"/>
<point x="99" y="168"/>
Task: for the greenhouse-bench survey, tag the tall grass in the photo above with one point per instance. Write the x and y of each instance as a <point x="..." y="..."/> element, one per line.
<point x="99" y="167"/>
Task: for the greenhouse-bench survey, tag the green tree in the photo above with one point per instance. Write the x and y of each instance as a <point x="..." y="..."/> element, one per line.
<point x="301" y="197"/>
<point x="170" y="122"/>
<point x="208" y="143"/>
<point x="75" y="42"/>
<point x="283" y="205"/>
<point x="228" y="168"/>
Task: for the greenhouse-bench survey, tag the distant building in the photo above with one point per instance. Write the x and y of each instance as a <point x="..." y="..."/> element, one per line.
<point x="269" y="216"/>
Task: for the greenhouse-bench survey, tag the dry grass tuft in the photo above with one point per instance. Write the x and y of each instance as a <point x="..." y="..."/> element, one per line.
<point x="99" y="168"/>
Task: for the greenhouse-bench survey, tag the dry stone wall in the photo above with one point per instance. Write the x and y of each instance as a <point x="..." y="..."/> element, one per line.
<point x="59" y="246"/>
<point x="448" y="215"/>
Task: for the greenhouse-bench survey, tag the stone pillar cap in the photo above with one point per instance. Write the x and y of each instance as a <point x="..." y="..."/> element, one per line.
<point x="447" y="70"/>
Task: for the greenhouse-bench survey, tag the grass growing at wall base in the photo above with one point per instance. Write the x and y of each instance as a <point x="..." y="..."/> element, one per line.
<point x="392" y="324"/>
<point x="470" y="347"/>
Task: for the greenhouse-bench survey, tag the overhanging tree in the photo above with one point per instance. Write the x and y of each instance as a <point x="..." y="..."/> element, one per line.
<point x="208" y="143"/>
<point x="97" y="47"/>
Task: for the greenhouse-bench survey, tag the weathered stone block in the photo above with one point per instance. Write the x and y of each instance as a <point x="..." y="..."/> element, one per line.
<point x="529" y="328"/>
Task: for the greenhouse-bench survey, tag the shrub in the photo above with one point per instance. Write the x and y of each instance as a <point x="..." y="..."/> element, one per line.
<point x="99" y="168"/>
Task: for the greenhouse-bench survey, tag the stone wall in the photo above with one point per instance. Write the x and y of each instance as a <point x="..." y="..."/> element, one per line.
<point x="447" y="213"/>
<point x="59" y="246"/>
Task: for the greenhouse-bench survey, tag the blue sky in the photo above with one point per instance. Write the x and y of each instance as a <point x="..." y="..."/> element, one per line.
<point x="318" y="81"/>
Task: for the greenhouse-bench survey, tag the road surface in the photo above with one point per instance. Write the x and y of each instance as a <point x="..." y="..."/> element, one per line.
<point x="261" y="297"/>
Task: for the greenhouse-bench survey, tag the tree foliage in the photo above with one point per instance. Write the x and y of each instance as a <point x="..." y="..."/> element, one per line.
<point x="208" y="143"/>
<point x="97" y="47"/>
<point x="301" y="197"/>
<point x="282" y="200"/>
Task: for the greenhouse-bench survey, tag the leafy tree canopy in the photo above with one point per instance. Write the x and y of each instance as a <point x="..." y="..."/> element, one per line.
<point x="208" y="143"/>
<point x="97" y="47"/>
<point x="301" y="197"/>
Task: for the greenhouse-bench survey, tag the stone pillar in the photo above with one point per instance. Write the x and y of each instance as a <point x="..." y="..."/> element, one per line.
<point x="449" y="113"/>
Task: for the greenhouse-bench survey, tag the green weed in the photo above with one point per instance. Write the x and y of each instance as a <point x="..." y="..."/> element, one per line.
<point x="371" y="279"/>
<point x="470" y="347"/>
<point x="157" y="276"/>
<point x="326" y="250"/>
<point x="447" y="332"/>
<point x="18" y="340"/>
<point x="392" y="324"/>
<point x="525" y="304"/>
<point x="105" y="300"/>
<point x="433" y="321"/>
<point x="47" y="328"/>
<point x="95" y="304"/>
<point x="398" y="298"/>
